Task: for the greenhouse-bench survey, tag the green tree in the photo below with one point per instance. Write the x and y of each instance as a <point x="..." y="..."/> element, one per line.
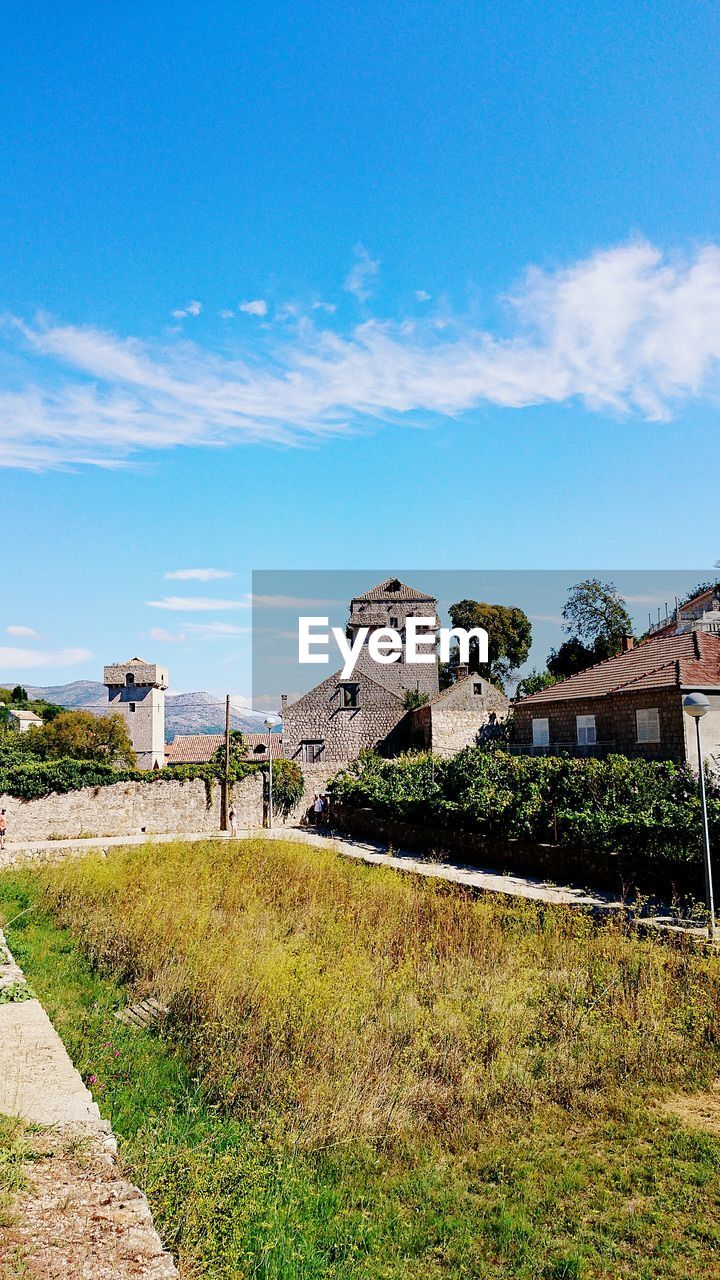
<point x="509" y="637"/>
<point x="80" y="735"/>
<point x="414" y="699"/>
<point x="534" y="682"/>
<point x="572" y="656"/>
<point x="19" y="694"/>
<point x="596" y="614"/>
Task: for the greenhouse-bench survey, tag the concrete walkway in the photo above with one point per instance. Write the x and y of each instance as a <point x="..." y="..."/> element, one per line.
<point x="659" y="918"/>
<point x="40" y="1085"/>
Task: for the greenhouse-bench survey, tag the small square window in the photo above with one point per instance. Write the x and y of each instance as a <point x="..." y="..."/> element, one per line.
<point x="132" y="706"/>
<point x="311" y="751"/>
<point x="647" y="721"/>
<point x="585" y="731"/>
<point x="477" y="687"/>
<point x="541" y="732"/>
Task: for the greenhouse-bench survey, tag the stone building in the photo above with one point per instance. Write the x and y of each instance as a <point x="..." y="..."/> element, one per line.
<point x="339" y="718"/>
<point x="630" y="704"/>
<point x="466" y="714"/>
<point x="199" y="748"/>
<point x="137" y="690"/>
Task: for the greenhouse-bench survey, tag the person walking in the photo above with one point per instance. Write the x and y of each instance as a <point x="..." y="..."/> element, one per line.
<point x="318" y="810"/>
<point x="232" y="820"/>
<point x="3" y="828"/>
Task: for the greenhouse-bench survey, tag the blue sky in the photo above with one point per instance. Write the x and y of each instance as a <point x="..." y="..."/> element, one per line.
<point x="470" y="253"/>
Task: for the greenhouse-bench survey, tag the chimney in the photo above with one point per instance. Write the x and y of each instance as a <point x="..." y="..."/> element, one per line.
<point x="283" y="702"/>
<point x="628" y="643"/>
<point x="462" y="670"/>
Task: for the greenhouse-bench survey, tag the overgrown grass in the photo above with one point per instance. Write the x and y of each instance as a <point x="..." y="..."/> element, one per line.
<point x="378" y="1076"/>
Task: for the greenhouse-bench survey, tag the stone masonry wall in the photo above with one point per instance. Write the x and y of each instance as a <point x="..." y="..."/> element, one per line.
<point x="132" y="808"/>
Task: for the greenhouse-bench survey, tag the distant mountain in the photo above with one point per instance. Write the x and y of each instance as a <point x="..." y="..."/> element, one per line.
<point x="184" y="712"/>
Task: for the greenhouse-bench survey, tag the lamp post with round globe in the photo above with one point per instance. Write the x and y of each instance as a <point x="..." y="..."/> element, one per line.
<point x="270" y="725"/>
<point x="696" y="705"/>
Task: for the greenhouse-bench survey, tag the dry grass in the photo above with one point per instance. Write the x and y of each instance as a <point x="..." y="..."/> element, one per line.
<point x="354" y="1001"/>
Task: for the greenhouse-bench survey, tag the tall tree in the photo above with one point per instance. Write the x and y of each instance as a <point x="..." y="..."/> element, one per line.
<point x="509" y="636"/>
<point x="596" y="611"/>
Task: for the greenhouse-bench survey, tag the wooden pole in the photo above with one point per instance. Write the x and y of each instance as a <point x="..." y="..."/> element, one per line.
<point x="224" y="806"/>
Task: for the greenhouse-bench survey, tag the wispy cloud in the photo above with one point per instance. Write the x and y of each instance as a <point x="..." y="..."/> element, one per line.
<point x="290" y="602"/>
<point x="362" y="274"/>
<point x="196" y="604"/>
<point x="163" y="636"/>
<point x="199" y="575"/>
<point x="627" y="330"/>
<point x="192" y="309"/>
<point x="12" y="660"/>
<point x="256" y="307"/>
<point x="22" y="633"/>
<point x="226" y="314"/>
<point x="215" y="630"/>
<point x="422" y="296"/>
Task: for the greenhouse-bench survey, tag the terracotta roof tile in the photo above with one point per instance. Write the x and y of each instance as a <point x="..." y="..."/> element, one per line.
<point x="199" y="748"/>
<point x="679" y="661"/>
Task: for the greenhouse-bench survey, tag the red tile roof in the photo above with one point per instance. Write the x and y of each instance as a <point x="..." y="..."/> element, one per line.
<point x="199" y="748"/>
<point x="690" y="660"/>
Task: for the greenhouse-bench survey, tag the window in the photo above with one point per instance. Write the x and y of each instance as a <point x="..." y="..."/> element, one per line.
<point x="129" y="678"/>
<point x="585" y="731"/>
<point x="311" y="751"/>
<point x="541" y="732"/>
<point x="648" y="724"/>
<point x="132" y="706"/>
<point x="477" y="687"/>
<point x="349" y="695"/>
<point x="394" y="623"/>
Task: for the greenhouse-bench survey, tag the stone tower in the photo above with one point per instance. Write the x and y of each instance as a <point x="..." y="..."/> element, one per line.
<point x="137" y="690"/>
<point x="389" y="604"/>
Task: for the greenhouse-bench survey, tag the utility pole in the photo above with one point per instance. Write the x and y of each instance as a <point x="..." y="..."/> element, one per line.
<point x="226" y="780"/>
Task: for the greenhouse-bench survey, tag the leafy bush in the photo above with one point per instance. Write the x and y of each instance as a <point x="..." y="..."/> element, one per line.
<point x="632" y="806"/>
<point x="288" y="785"/>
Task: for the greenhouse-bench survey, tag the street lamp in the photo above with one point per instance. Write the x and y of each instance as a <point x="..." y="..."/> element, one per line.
<point x="270" y="725"/>
<point x="696" y="705"/>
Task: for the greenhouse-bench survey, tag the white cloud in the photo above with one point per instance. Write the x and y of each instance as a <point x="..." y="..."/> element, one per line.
<point x="290" y="602"/>
<point x="12" y="660"/>
<point x="325" y="306"/>
<point x="627" y="330"/>
<point x="225" y="314"/>
<point x="213" y="630"/>
<point x="163" y="636"/>
<point x="257" y="307"/>
<point x="192" y="309"/>
<point x="196" y="604"/>
<point x="422" y="296"/>
<point x="199" y="575"/>
<point x="362" y="275"/>
<point x="23" y="633"/>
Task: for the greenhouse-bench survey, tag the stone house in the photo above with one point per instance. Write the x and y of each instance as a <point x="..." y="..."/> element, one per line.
<point x="630" y="704"/>
<point x="466" y="714"/>
<point x="23" y="720"/>
<point x="136" y="689"/>
<point x="339" y="718"/>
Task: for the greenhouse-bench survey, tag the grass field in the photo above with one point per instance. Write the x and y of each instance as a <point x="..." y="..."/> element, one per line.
<point x="365" y="1075"/>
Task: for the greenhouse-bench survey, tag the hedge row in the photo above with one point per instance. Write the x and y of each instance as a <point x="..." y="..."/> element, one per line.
<point x="632" y="806"/>
<point x="32" y="779"/>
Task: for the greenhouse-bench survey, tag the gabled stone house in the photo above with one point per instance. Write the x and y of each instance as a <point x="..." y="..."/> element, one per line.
<point x="630" y="704"/>
<point x="339" y="718"/>
<point x="466" y="714"/>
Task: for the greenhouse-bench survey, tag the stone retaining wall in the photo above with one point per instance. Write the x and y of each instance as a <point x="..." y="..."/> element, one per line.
<point x="560" y="863"/>
<point x="132" y="808"/>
